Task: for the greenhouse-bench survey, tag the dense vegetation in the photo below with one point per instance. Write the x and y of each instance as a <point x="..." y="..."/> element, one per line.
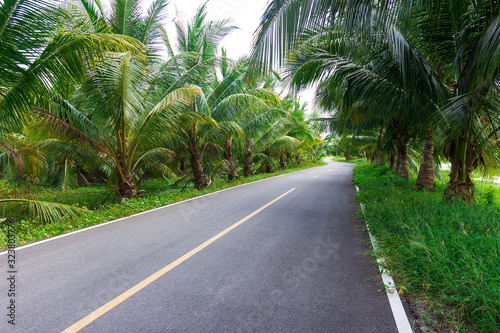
<point x="448" y="251"/>
<point x="403" y="78"/>
<point x="87" y="100"/>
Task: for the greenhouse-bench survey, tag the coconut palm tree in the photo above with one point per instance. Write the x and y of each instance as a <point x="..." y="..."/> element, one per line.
<point x="235" y="101"/>
<point x="194" y="64"/>
<point x="257" y="127"/>
<point x="299" y="128"/>
<point x="469" y="66"/>
<point x="117" y="117"/>
<point x="369" y="92"/>
<point x="125" y="18"/>
<point x="229" y="101"/>
<point x="281" y="133"/>
<point x="36" y="54"/>
<point x="18" y="159"/>
<point x="466" y="66"/>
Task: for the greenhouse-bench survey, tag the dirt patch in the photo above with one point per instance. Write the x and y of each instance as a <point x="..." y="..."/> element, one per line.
<point x="428" y="317"/>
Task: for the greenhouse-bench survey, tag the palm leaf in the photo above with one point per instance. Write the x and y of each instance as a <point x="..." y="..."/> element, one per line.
<point x="68" y="181"/>
<point x="46" y="211"/>
<point x="154" y="159"/>
<point x="150" y="30"/>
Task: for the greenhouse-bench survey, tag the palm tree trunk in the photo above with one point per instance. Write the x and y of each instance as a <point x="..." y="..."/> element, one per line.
<point x="425" y="178"/>
<point x="392" y="164"/>
<point x="297" y="159"/>
<point x="347" y="155"/>
<point x="199" y="177"/>
<point x="126" y="186"/>
<point x="282" y="161"/>
<point x="182" y="164"/>
<point x="20" y="167"/>
<point x="126" y="180"/>
<point x="402" y="158"/>
<point x="17" y="160"/>
<point x="379" y="156"/>
<point x="228" y="156"/>
<point x="247" y="160"/>
<point x="84" y="179"/>
<point x="463" y="163"/>
<point x="267" y="168"/>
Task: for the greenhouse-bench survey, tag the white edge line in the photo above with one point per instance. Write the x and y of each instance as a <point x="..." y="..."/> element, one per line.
<point x="398" y="311"/>
<point x="148" y="211"/>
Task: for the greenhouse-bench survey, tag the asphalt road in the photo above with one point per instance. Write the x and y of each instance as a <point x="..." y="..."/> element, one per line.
<point x="298" y="265"/>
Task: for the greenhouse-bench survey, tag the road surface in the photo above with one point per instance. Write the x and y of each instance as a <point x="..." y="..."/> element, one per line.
<point x="286" y="254"/>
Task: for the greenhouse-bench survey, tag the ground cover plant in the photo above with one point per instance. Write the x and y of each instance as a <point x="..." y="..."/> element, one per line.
<point x="448" y="251"/>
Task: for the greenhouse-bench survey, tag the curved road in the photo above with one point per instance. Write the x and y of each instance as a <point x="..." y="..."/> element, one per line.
<point x="286" y="254"/>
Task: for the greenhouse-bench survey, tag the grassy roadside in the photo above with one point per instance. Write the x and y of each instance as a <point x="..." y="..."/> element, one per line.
<point x="158" y="195"/>
<point x="448" y="253"/>
<point x="342" y="159"/>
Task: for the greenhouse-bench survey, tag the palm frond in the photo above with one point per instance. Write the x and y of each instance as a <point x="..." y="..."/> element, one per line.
<point x="68" y="181"/>
<point x="150" y="31"/>
<point x="46" y="211"/>
<point x="154" y="159"/>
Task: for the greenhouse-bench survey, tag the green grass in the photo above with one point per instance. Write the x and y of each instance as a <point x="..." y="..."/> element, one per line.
<point x="449" y="252"/>
<point x="158" y="194"/>
<point x="475" y="175"/>
<point x="356" y="160"/>
<point x="338" y="159"/>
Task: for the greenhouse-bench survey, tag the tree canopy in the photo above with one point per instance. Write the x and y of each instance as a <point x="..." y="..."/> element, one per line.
<point x="413" y="71"/>
<point x="87" y="97"/>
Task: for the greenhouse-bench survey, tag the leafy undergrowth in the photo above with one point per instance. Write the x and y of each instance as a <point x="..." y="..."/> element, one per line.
<point x="449" y="252"/>
<point x="158" y="194"/>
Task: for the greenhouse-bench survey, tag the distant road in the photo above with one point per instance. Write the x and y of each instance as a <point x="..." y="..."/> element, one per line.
<point x="285" y="254"/>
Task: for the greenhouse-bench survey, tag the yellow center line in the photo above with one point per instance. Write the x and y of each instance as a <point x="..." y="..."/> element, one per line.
<point x="144" y="283"/>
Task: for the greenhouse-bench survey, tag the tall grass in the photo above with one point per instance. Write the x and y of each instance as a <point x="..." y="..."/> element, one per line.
<point x="449" y="251"/>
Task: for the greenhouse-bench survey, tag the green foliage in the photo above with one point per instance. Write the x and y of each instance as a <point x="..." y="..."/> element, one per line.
<point x="44" y="211"/>
<point x="39" y="53"/>
<point x="358" y="161"/>
<point x="448" y="251"/>
<point x="403" y="70"/>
